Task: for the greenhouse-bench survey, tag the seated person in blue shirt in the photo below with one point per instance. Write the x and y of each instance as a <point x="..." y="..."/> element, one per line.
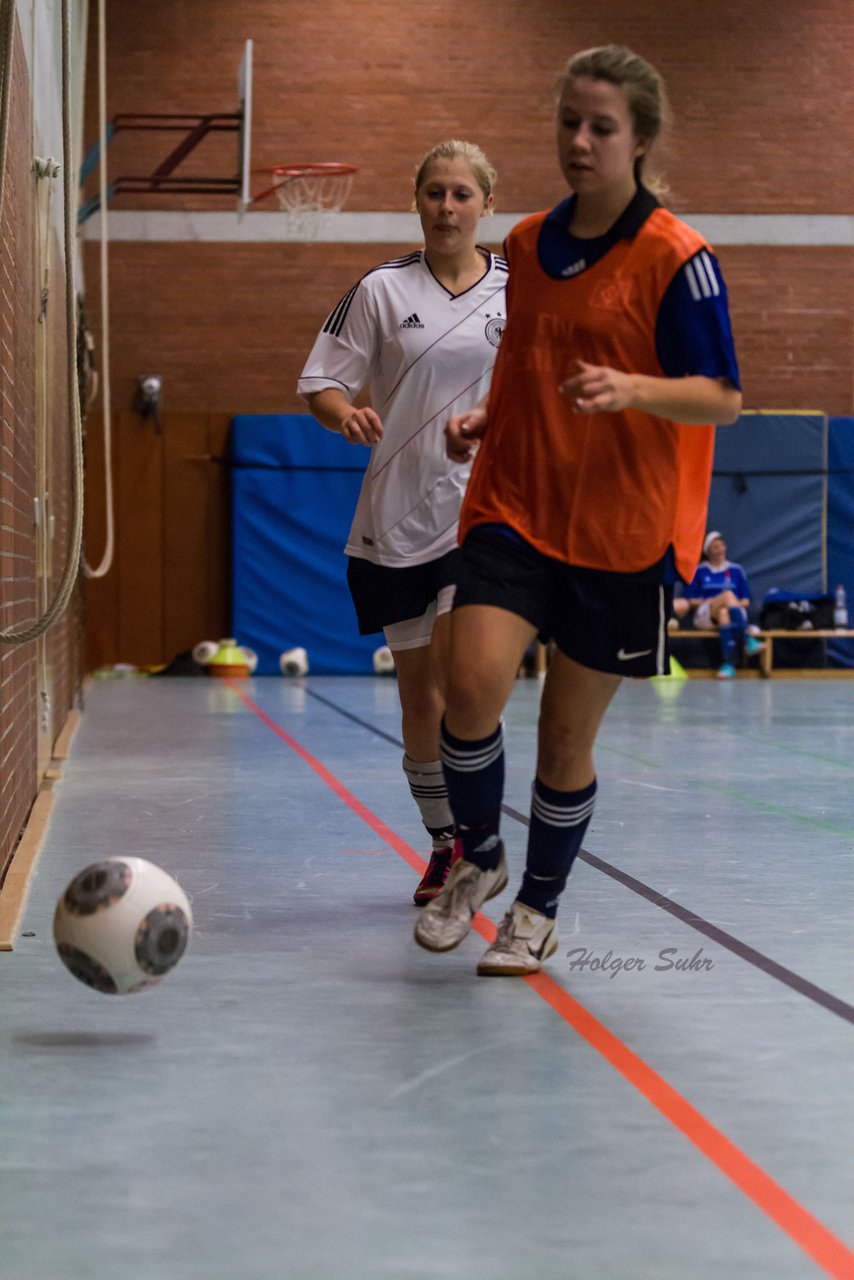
<point x="720" y="596"/>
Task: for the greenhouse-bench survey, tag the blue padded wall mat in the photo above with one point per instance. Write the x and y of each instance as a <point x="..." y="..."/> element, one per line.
<point x="291" y="440"/>
<point x="772" y="442"/>
<point x="767" y="499"/>
<point x="840" y="526"/>
<point x="294" y="487"/>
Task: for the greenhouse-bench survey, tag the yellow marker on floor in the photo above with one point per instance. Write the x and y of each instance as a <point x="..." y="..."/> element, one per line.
<point x="671" y="685"/>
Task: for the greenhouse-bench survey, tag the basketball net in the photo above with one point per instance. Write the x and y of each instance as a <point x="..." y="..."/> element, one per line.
<point x="310" y="195"/>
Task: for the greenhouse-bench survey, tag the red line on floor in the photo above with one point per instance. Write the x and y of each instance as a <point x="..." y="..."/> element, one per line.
<point x="798" y="1223"/>
<point x="376" y="824"/>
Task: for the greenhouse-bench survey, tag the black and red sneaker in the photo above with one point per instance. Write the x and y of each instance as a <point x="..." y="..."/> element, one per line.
<point x="441" y="861"/>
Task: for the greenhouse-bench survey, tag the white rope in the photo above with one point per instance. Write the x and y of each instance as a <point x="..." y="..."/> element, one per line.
<point x="107" y="560"/>
<point x="45" y="170"/>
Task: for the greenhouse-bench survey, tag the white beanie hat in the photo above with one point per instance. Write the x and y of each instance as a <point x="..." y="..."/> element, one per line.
<point x="710" y="537"/>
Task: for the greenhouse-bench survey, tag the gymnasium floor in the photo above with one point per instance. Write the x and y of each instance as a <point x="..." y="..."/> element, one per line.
<point x="309" y="1096"/>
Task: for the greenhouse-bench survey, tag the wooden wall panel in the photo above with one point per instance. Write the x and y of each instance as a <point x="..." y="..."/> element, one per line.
<point x="139" y="531"/>
<point x="196" y="550"/>
<point x="218" y="532"/>
<point x="169" y="585"/>
<point x="100" y="595"/>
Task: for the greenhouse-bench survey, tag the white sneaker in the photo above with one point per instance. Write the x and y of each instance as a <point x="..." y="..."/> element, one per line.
<point x="446" y="920"/>
<point x="525" y="939"/>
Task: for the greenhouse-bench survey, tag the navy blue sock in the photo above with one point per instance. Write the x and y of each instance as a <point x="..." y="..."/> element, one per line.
<point x="737" y="620"/>
<point x="559" y="820"/>
<point x="474" y="773"/>
<point x="728" y="644"/>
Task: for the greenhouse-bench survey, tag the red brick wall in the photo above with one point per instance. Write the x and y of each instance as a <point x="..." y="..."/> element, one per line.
<point x="17" y="472"/>
<point x="20" y="703"/>
<point x="762" y="93"/>
<point x="763" y="102"/>
<point x="793" y="316"/>
<point x="228" y="327"/>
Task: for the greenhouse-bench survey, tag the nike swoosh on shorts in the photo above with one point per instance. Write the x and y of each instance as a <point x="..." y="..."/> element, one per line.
<point x="622" y="656"/>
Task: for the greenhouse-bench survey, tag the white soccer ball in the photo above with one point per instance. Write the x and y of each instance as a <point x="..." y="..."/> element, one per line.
<point x="121" y="925"/>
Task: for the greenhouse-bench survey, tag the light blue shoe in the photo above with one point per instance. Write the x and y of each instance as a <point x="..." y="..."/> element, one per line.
<point x="752" y="646"/>
<point x="727" y="671"/>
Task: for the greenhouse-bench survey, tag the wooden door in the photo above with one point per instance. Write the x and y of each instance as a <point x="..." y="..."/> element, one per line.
<point x="170" y="582"/>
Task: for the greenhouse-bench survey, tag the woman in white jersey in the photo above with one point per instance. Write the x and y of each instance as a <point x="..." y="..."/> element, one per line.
<point x="421" y="334"/>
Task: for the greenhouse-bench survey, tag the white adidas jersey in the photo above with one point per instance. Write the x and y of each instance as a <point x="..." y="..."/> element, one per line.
<point x="424" y="355"/>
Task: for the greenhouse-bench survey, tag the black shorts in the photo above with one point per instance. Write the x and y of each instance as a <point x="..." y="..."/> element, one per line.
<point x="614" y="622"/>
<point x="382" y="595"/>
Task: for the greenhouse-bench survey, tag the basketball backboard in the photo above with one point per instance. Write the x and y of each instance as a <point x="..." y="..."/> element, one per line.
<point x="244" y="107"/>
<point x="163" y="180"/>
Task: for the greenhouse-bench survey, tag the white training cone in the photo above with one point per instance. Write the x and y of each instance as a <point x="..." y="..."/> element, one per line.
<point x="204" y="651"/>
<point x="383" y="661"/>
<point x="294" y="662"/>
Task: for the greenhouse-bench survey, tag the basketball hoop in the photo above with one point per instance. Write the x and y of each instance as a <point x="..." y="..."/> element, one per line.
<point x="309" y="195"/>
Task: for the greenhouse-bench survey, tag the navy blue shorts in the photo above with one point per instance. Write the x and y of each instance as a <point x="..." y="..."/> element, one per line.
<point x="614" y="622"/>
<point x="383" y="596"/>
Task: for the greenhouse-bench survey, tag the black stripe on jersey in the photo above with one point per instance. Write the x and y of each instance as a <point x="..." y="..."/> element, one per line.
<point x="335" y="322"/>
<point x="336" y="318"/>
<point x="405" y="261"/>
<point x="442" y="336"/>
<point x="490" y="262"/>
<point x="319" y="377"/>
<point x="425" y="498"/>
<point x="404" y="443"/>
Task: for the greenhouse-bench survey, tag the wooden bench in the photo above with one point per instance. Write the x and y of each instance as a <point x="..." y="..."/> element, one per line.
<point x="766" y="657"/>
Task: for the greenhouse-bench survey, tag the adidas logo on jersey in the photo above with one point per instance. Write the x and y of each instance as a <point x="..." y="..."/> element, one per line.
<point x="411" y="322"/>
<point x="575" y="268"/>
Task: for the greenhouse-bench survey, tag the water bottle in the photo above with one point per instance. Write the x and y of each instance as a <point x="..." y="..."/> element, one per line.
<point x="840" y="609"/>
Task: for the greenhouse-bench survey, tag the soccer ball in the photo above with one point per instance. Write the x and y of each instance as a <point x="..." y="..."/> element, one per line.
<point x="121" y="924"/>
